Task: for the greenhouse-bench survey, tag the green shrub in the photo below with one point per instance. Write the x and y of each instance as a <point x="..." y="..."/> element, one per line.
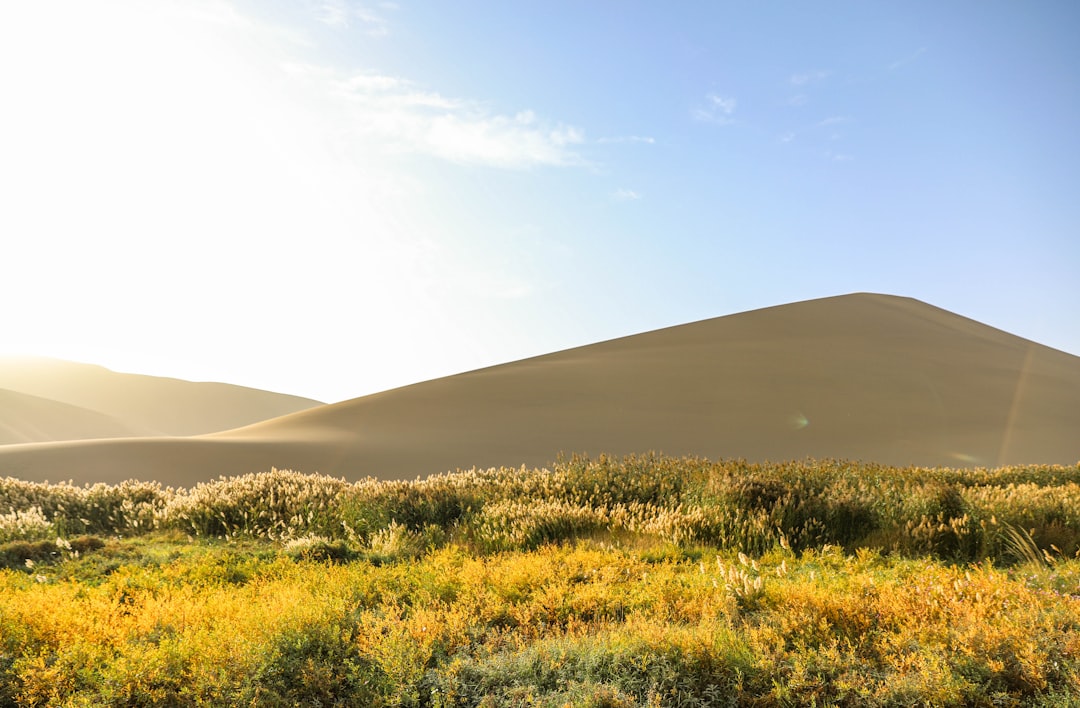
<point x="25" y="554"/>
<point x="315" y="665"/>
<point x="319" y="548"/>
<point x="608" y="670"/>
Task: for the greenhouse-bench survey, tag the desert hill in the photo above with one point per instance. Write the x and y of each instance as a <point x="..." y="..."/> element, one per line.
<point x="25" y="418"/>
<point x="144" y="405"/>
<point x="863" y="376"/>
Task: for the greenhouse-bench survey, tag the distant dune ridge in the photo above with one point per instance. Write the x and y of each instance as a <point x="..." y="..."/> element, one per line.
<point x="25" y="418"/>
<point x="863" y="376"/>
<point x="144" y="405"/>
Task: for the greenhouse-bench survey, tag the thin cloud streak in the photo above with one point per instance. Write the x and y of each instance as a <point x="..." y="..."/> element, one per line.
<point x="807" y="77"/>
<point x="833" y="120"/>
<point x="627" y="139"/>
<point x="394" y="115"/>
<point x="719" y="110"/>
<point x="908" y="59"/>
<point x="340" y="14"/>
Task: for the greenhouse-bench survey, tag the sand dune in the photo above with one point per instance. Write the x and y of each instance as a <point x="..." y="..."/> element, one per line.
<point x="148" y="404"/>
<point x="25" y="418"/>
<point x="871" y="377"/>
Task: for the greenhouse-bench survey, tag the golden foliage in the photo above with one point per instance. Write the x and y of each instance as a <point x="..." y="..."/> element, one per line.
<point x="643" y="582"/>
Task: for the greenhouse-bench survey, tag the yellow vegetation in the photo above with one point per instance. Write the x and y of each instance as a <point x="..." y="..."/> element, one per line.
<point x="638" y="582"/>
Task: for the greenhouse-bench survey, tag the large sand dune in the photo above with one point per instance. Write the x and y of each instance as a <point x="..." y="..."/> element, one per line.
<point x="145" y="405"/>
<point x="864" y="376"/>
<point x="25" y="418"/>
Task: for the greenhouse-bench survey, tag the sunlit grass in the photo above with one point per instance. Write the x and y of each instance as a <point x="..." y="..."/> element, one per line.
<point x="639" y="582"/>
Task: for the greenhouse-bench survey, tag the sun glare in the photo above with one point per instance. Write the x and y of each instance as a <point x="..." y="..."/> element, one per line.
<point x="170" y="181"/>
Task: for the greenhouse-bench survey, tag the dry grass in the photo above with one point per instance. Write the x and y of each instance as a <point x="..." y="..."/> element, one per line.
<point x="640" y="582"/>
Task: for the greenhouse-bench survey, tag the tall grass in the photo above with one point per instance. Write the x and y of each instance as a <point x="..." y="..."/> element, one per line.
<point x="958" y="515"/>
<point x="642" y="581"/>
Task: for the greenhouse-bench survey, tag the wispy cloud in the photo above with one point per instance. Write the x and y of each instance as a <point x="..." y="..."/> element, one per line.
<point x="627" y="139"/>
<point x="823" y="130"/>
<point x="801" y="83"/>
<point x="908" y="59"/>
<point x="396" y="115"/>
<point x="625" y="195"/>
<point x="332" y="12"/>
<point x="833" y="120"/>
<point x="718" y="109"/>
<point x="344" y="14"/>
<point x="833" y="125"/>
<point x="807" y="77"/>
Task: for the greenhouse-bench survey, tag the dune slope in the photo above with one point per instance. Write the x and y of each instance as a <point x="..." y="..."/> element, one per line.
<point x="25" y="418"/>
<point x="864" y="376"/>
<point x="152" y="404"/>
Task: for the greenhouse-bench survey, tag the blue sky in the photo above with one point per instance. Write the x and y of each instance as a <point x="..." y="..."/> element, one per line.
<point x="335" y="198"/>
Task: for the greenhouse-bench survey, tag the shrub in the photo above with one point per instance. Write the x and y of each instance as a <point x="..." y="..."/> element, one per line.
<point x="276" y="504"/>
<point x="16" y="554"/>
<point x="508" y="525"/>
<point x="316" y="665"/>
<point x="28" y="523"/>
<point x="319" y="548"/>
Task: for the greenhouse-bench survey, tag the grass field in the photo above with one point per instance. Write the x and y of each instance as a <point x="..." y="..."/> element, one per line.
<point x="644" y="581"/>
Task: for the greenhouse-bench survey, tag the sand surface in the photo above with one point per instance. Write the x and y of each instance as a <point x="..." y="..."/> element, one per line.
<point x="864" y="376"/>
<point x="25" y="418"/>
<point x="145" y="405"/>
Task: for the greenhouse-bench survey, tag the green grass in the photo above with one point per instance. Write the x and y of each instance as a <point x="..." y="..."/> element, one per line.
<point x="646" y="581"/>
